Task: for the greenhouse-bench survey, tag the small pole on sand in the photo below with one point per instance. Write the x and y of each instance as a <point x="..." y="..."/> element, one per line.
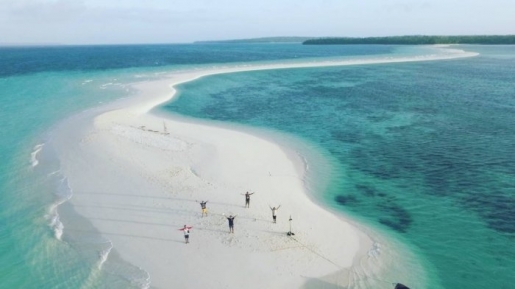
<point x="290" y="233"/>
<point x="165" y="129"/>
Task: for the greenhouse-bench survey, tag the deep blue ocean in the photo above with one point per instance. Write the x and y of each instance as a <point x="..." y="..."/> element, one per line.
<point x="421" y="152"/>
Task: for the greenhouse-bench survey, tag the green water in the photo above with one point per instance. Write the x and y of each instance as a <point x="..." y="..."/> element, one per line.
<point x="423" y="152"/>
<point x="42" y="86"/>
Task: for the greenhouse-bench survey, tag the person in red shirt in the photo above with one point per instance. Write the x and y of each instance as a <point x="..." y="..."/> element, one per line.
<point x="186" y="231"/>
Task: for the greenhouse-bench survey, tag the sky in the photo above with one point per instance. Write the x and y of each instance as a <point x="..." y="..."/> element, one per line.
<point x="171" y="21"/>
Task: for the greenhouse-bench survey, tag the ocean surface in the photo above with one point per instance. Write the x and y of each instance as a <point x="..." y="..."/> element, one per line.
<point x="421" y="152"/>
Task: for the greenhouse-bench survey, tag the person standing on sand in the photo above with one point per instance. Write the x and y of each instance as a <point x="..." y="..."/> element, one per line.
<point x="231" y="223"/>
<point x="247" y="199"/>
<point x="186" y="231"/>
<point x="274" y="210"/>
<point x="203" y="206"/>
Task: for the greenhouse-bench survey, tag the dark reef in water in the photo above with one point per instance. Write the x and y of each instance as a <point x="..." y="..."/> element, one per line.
<point x="368" y="191"/>
<point x="497" y="209"/>
<point x="394" y="215"/>
<point x="346" y="199"/>
<point x="399" y="218"/>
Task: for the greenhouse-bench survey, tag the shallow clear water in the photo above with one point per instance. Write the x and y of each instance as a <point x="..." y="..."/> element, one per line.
<point x="32" y="256"/>
<point x="422" y="151"/>
<point x="40" y="87"/>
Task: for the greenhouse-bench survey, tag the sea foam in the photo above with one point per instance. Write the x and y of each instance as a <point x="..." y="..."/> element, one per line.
<point x="63" y="194"/>
<point x="33" y="156"/>
<point x="144" y="282"/>
<point x="103" y="255"/>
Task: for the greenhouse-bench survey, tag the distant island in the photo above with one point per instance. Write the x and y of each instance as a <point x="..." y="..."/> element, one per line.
<point x="286" y="39"/>
<point x="416" y="40"/>
<point x="27" y="44"/>
<point x="387" y="40"/>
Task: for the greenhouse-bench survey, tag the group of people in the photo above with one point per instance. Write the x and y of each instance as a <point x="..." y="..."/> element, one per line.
<point x="203" y="205"/>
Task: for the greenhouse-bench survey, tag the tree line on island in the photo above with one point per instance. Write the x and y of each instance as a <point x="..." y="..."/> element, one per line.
<point x="416" y="40"/>
<point x="279" y="39"/>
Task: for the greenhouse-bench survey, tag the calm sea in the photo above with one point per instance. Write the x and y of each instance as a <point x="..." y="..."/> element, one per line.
<point x="422" y="152"/>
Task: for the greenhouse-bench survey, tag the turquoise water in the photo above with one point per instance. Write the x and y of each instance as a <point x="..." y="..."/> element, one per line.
<point x="40" y="87"/>
<point x="32" y="257"/>
<point x="421" y="151"/>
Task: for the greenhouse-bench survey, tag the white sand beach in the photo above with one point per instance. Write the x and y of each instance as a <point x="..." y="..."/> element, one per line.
<point x="138" y="183"/>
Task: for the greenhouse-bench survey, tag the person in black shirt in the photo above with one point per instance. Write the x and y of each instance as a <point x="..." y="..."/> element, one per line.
<point x="231" y="223"/>
<point x="247" y="199"/>
<point x="203" y="206"/>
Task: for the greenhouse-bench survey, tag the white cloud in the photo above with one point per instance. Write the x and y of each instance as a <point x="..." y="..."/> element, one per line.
<point x="136" y="21"/>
